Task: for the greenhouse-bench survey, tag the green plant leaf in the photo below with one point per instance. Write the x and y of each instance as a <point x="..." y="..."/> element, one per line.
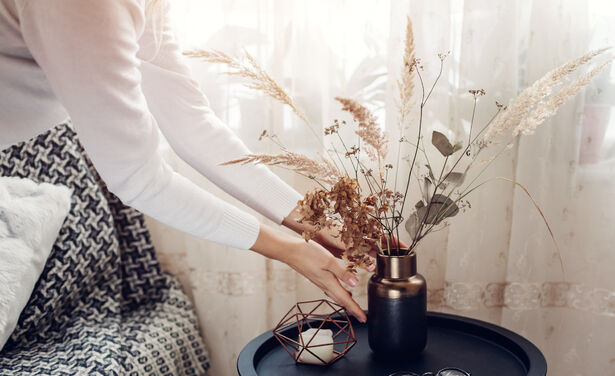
<point x="441" y="207"/>
<point x="412" y="224"/>
<point x="444" y="146"/>
<point x="442" y="143"/>
<point x="454" y="178"/>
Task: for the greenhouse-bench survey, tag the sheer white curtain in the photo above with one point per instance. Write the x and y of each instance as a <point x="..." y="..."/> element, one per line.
<point x="495" y="262"/>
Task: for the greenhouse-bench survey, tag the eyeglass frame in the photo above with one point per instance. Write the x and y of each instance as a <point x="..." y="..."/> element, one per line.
<point x="410" y="373"/>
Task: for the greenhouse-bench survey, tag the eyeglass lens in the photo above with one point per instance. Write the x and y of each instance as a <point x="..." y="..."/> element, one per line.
<point x="452" y="372"/>
<point x="444" y="372"/>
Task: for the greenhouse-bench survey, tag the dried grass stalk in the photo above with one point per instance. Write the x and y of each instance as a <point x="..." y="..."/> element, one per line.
<point x="323" y="172"/>
<point x="533" y="95"/>
<point x="257" y="77"/>
<point x="406" y="83"/>
<point x="369" y="131"/>
<point x="550" y="106"/>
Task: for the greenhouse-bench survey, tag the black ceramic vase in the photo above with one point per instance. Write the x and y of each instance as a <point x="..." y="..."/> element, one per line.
<point x="397" y="305"/>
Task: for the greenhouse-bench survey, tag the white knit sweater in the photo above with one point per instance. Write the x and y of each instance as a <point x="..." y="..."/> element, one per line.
<point x="96" y="62"/>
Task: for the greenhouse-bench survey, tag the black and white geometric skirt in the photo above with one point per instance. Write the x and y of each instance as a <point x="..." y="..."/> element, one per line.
<point x="102" y="305"/>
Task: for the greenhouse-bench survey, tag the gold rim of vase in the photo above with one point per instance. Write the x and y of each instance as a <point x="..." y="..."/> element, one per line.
<point x="396" y="267"/>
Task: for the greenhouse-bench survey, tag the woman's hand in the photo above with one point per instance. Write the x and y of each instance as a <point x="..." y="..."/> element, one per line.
<point x="313" y="262"/>
<point x="328" y="238"/>
<point x="393" y="243"/>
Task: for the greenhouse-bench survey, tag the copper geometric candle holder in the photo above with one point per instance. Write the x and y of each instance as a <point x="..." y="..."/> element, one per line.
<point x="319" y="315"/>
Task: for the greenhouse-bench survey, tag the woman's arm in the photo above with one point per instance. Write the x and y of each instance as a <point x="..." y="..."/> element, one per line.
<point x="87" y="49"/>
<point x="189" y="124"/>
<point x="196" y="134"/>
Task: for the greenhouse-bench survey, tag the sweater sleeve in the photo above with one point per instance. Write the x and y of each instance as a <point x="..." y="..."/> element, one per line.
<point x="87" y="50"/>
<point x="196" y="134"/>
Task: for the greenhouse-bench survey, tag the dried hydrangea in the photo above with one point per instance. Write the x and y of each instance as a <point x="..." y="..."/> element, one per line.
<point x="343" y="204"/>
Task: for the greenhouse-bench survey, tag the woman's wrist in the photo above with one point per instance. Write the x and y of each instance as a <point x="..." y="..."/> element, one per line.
<point x="291" y="221"/>
<point x="275" y="244"/>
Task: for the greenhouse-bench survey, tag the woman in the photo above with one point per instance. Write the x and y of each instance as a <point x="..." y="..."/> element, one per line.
<point x="120" y="77"/>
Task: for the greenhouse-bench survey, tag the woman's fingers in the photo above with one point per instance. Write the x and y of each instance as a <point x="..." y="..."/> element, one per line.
<point x="337" y="248"/>
<point x="400" y="244"/>
<point x="332" y="241"/>
<point x="342" y="297"/>
<point x="321" y="268"/>
<point x="392" y="242"/>
<point x="342" y="273"/>
<point x="340" y="294"/>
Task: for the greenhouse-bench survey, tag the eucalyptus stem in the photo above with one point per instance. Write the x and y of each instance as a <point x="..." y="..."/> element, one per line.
<point x="467" y="148"/>
<point x="436" y="80"/>
<point x="472" y="122"/>
<point x="487" y="125"/>
<point x="536" y="206"/>
<point x="424" y="152"/>
<point x="384" y="187"/>
<point x="430" y="204"/>
<point x="475" y="156"/>
<point x="418" y="235"/>
<point x="462" y="194"/>
<point x="416" y="150"/>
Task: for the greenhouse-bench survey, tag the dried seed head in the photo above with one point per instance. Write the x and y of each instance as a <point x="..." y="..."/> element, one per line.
<point x="368" y="130"/>
<point x="477" y="92"/>
<point x="321" y="171"/>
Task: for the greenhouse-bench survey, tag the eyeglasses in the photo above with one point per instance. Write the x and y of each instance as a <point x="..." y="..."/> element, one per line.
<point x="450" y="371"/>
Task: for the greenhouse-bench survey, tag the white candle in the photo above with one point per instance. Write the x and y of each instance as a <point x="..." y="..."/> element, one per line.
<point x="313" y="337"/>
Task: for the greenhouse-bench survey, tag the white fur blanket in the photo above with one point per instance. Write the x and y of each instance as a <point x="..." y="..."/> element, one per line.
<point x="31" y="216"/>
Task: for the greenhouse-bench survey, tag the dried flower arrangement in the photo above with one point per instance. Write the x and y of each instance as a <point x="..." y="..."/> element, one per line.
<point x="364" y="202"/>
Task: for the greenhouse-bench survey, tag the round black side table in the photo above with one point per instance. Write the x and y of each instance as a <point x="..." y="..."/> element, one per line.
<point x="478" y="347"/>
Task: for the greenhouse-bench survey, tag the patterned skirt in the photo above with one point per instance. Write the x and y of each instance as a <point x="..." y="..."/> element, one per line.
<point x="102" y="305"/>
